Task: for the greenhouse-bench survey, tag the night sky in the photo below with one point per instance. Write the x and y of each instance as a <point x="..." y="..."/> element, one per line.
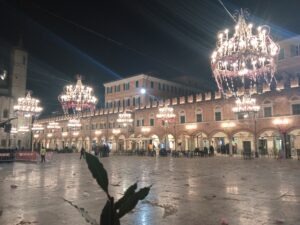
<point x="108" y="40"/>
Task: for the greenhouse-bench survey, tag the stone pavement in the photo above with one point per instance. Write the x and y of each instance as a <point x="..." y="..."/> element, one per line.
<point x="204" y="191"/>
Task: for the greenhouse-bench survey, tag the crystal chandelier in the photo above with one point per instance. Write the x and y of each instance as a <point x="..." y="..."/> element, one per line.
<point x="166" y="113"/>
<point x="245" y="104"/>
<point x="23" y="129"/>
<point x="244" y="59"/>
<point x="28" y="106"/>
<point x="37" y="127"/>
<point x="125" y="118"/>
<point x="74" y="123"/>
<point x="53" y="125"/>
<point x="77" y="98"/>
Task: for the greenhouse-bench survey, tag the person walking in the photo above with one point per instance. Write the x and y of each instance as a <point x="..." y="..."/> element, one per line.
<point x="43" y="154"/>
<point x="82" y="151"/>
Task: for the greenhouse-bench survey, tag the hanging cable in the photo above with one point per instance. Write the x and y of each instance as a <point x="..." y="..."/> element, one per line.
<point x="232" y="17"/>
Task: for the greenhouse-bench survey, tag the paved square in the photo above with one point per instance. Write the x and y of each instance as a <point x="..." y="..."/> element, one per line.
<point x="185" y="191"/>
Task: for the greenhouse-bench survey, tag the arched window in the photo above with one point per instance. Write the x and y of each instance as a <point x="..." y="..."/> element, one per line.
<point x="199" y="115"/>
<point x="218" y="113"/>
<point x="5" y="113"/>
<point x="182" y="117"/>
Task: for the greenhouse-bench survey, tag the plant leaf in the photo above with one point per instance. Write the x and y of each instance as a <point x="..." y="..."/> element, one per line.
<point x="98" y="171"/>
<point x="132" y="201"/>
<point x="128" y="193"/>
<point x="106" y="217"/>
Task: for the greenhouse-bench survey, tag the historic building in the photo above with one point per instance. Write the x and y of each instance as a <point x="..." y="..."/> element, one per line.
<point x="13" y="62"/>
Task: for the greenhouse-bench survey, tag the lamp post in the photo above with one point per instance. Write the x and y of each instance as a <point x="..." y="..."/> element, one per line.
<point x="282" y="126"/>
<point x="125" y="120"/>
<point x="246" y="106"/>
<point x="166" y="114"/>
<point x="28" y="107"/>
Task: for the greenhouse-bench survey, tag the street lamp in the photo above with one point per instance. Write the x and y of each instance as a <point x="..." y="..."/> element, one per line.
<point x="282" y="126"/>
<point x="245" y="106"/>
<point x="125" y="119"/>
<point x="28" y="107"/>
<point x="167" y="115"/>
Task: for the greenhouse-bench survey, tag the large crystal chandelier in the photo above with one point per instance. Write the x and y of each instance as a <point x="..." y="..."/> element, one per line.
<point x="53" y="125"/>
<point x="166" y="113"/>
<point x="37" y="127"/>
<point x="125" y="118"/>
<point x="77" y="98"/>
<point x="245" y="105"/>
<point x="74" y="123"/>
<point x="244" y="59"/>
<point x="28" y="106"/>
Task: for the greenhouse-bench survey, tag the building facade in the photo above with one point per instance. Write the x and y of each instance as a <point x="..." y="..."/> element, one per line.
<point x="14" y="62"/>
<point x="141" y="90"/>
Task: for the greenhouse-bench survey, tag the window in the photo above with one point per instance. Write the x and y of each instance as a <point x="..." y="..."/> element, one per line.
<point x="296" y="109"/>
<point x="199" y="117"/>
<point x="128" y="102"/>
<point x="151" y="122"/>
<point x="218" y="114"/>
<point x="267" y="111"/>
<point x="126" y="86"/>
<point x="138" y="123"/>
<point x="152" y="84"/>
<point x="164" y="87"/>
<point x="133" y="101"/>
<point x="5" y="113"/>
<point x="159" y="86"/>
<point x="24" y="60"/>
<point x="182" y="117"/>
<point x="137" y="84"/>
<point x="295" y="50"/>
<point x="281" y="54"/>
<point x="3" y="143"/>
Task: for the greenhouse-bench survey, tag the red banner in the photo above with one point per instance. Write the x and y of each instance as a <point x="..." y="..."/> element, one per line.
<point x="26" y="156"/>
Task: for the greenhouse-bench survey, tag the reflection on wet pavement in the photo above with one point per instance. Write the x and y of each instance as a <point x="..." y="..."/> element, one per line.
<point x="204" y="191"/>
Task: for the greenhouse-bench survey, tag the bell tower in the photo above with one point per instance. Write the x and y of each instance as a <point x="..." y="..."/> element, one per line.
<point x="19" y="59"/>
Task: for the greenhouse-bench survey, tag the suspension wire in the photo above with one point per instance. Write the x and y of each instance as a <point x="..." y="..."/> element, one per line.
<point x="232" y="17"/>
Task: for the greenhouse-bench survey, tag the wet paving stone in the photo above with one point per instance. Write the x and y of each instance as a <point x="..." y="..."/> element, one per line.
<point x="186" y="191"/>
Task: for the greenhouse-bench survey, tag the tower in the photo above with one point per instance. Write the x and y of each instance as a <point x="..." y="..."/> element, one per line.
<point x="19" y="59"/>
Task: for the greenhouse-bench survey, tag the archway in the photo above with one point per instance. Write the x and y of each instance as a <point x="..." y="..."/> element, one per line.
<point x="243" y="141"/>
<point x="168" y="142"/>
<point x="294" y="141"/>
<point x="155" y="141"/>
<point x="219" y="141"/>
<point x="184" y="142"/>
<point x="269" y="143"/>
<point x="112" y="143"/>
<point x="121" y="143"/>
<point x="201" y="140"/>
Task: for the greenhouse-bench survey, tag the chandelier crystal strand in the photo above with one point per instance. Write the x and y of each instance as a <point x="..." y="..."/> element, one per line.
<point x="77" y="98"/>
<point x="245" y="58"/>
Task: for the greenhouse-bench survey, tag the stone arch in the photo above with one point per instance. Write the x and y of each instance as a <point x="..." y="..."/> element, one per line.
<point x="243" y="140"/>
<point x="200" y="139"/>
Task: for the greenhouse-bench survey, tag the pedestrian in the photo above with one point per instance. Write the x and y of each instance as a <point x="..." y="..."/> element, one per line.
<point x="43" y="154"/>
<point x="82" y="151"/>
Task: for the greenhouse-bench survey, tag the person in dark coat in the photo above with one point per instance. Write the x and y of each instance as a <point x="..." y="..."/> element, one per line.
<point x="82" y="151"/>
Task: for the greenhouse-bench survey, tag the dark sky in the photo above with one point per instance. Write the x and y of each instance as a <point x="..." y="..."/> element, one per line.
<point x="108" y="40"/>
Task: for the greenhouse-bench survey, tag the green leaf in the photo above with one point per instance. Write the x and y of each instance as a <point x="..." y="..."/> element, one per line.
<point x="132" y="201"/>
<point x="106" y="215"/>
<point x="98" y="171"/>
<point x="128" y="193"/>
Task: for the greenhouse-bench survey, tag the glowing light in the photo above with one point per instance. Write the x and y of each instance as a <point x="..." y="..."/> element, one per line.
<point x="28" y="106"/>
<point x="77" y="98"/>
<point x="191" y="126"/>
<point x="14" y="130"/>
<point x="125" y="118"/>
<point x="143" y="91"/>
<point x="76" y="133"/>
<point x="246" y="104"/>
<point x="116" y="131"/>
<point x="145" y="129"/>
<point x="36" y="136"/>
<point x="49" y="135"/>
<point x="74" y="123"/>
<point x="280" y="121"/>
<point x="23" y="129"/>
<point x="53" y="125"/>
<point x="228" y="125"/>
<point x="98" y="132"/>
<point x="245" y="58"/>
<point x="64" y="134"/>
<point x="166" y="113"/>
<point x="37" y="127"/>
